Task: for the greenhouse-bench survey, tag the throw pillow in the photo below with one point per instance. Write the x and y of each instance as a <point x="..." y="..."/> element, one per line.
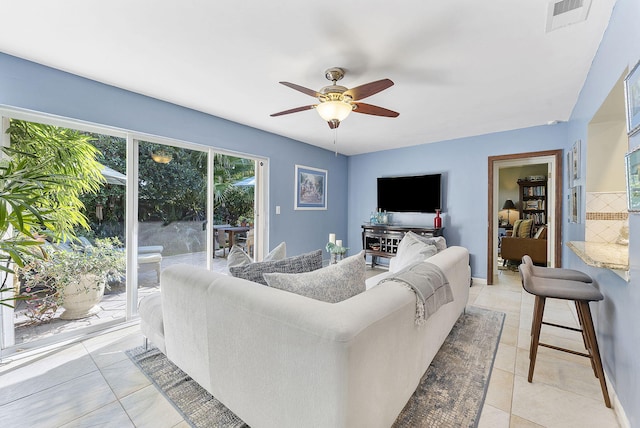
<point x="303" y="263"/>
<point x="331" y="284"/>
<point x="541" y="233"/>
<point x="412" y="249"/>
<point x="524" y="231"/>
<point x="438" y="241"/>
<point x="516" y="226"/>
<point x="278" y="253"/>
<point x="238" y="257"/>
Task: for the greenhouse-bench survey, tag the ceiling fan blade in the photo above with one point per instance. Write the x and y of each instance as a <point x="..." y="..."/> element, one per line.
<point x="301" y="89"/>
<point x="293" y="110"/>
<point x="374" y="110"/>
<point x="368" y="89"/>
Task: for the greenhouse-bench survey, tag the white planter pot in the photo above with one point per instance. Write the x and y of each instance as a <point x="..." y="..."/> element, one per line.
<point x="80" y="298"/>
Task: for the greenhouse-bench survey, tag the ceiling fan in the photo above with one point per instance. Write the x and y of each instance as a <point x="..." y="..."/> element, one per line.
<point x="336" y="102"/>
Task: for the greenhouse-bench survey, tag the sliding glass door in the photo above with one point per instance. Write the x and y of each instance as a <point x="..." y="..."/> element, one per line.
<point x="141" y="204"/>
<point x="67" y="284"/>
<point x="172" y="210"/>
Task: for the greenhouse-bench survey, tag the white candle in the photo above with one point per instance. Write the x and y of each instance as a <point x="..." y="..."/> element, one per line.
<point x="339" y="243"/>
<point x="332" y="238"/>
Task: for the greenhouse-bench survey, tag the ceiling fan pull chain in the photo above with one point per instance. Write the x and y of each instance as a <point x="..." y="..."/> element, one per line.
<point x="335" y="140"/>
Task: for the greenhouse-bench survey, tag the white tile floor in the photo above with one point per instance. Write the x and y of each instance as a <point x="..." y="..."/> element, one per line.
<point x="93" y="383"/>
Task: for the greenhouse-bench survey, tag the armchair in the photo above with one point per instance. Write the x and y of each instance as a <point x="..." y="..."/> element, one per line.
<point x="514" y="247"/>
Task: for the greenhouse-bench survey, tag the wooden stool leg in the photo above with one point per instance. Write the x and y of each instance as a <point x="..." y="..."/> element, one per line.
<point x="594" y="350"/>
<point x="585" y="339"/>
<point x="538" y="312"/>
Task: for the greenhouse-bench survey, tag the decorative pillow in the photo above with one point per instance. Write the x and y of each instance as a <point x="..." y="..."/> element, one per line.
<point x="303" y="263"/>
<point x="516" y="226"/>
<point x="331" y="284"/>
<point x="278" y="253"/>
<point x="412" y="249"/>
<point x="438" y="241"/>
<point x="541" y="233"/>
<point x="524" y="231"/>
<point x="237" y="256"/>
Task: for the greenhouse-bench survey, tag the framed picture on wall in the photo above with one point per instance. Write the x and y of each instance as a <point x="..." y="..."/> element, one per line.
<point x="311" y="188"/>
<point x="632" y="166"/>
<point x="574" y="204"/>
<point x="575" y="160"/>
<point x="632" y="97"/>
<point x="569" y="168"/>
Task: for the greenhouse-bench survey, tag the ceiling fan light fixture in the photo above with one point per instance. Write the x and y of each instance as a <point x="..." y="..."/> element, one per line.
<point x="334" y="110"/>
<point x="337" y="102"/>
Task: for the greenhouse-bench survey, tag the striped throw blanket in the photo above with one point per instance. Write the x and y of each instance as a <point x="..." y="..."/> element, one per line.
<point x="429" y="284"/>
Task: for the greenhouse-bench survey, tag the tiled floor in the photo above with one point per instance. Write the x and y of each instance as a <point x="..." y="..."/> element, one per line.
<point x="93" y="383"/>
<point x="112" y="305"/>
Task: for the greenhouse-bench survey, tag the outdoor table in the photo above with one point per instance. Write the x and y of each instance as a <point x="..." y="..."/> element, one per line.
<point x="232" y="231"/>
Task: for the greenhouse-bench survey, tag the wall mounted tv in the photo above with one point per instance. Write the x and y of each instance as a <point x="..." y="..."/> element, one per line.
<point x="417" y="193"/>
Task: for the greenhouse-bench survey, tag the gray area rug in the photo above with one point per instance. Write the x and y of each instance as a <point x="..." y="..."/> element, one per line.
<point x="451" y="392"/>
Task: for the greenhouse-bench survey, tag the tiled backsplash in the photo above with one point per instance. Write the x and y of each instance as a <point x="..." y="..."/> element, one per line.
<point x="607" y="219"/>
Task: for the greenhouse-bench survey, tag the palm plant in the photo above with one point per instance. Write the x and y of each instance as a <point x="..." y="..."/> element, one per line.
<point x="48" y="169"/>
<point x="67" y="155"/>
<point x="229" y="200"/>
<point x="23" y="220"/>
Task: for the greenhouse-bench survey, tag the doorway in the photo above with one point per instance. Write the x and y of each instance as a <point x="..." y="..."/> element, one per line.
<point x="553" y="158"/>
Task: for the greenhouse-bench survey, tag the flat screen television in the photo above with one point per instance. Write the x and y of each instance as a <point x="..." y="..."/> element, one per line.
<point x="416" y="193"/>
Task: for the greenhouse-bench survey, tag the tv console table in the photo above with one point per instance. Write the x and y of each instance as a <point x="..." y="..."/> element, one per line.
<point x="381" y="240"/>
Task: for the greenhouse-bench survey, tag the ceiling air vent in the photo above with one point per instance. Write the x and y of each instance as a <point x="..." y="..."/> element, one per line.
<point x="566" y="12"/>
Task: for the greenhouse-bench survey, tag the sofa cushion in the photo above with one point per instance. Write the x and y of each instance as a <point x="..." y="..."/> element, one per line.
<point x="238" y="257"/>
<point x="411" y="249"/>
<point x="151" y="320"/>
<point x="331" y="284"/>
<point x="150" y="310"/>
<point x="303" y="263"/>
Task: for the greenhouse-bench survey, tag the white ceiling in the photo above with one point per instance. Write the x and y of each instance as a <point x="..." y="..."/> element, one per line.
<point x="460" y="67"/>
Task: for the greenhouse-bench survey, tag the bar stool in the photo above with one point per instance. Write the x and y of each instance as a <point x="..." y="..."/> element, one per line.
<point x="556" y="273"/>
<point x="581" y="293"/>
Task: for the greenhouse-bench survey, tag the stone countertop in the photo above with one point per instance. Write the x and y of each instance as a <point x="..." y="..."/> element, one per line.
<point x="602" y="254"/>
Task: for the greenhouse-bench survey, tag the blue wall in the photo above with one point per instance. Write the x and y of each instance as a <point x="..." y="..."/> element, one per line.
<point x="32" y="86"/>
<point x="463" y="164"/>
<point x="618" y="316"/>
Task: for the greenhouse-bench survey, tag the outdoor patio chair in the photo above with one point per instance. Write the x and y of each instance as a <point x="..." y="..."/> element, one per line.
<point x="151" y="260"/>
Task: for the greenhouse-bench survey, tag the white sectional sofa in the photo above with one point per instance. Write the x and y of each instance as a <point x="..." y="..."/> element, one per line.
<point x="278" y="359"/>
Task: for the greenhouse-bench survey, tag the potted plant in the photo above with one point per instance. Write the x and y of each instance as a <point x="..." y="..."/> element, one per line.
<point x="39" y="193"/>
<point x="336" y="250"/>
<point x="77" y="277"/>
<point x="245" y="221"/>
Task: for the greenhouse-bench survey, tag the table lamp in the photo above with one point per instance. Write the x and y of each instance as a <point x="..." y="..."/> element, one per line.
<point x="508" y="205"/>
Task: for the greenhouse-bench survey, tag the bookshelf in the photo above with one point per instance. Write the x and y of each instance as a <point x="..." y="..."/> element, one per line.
<point x="533" y="201"/>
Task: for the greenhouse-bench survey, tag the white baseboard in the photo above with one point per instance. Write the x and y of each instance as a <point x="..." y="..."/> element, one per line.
<point x="478" y="281"/>
<point x="621" y="416"/>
